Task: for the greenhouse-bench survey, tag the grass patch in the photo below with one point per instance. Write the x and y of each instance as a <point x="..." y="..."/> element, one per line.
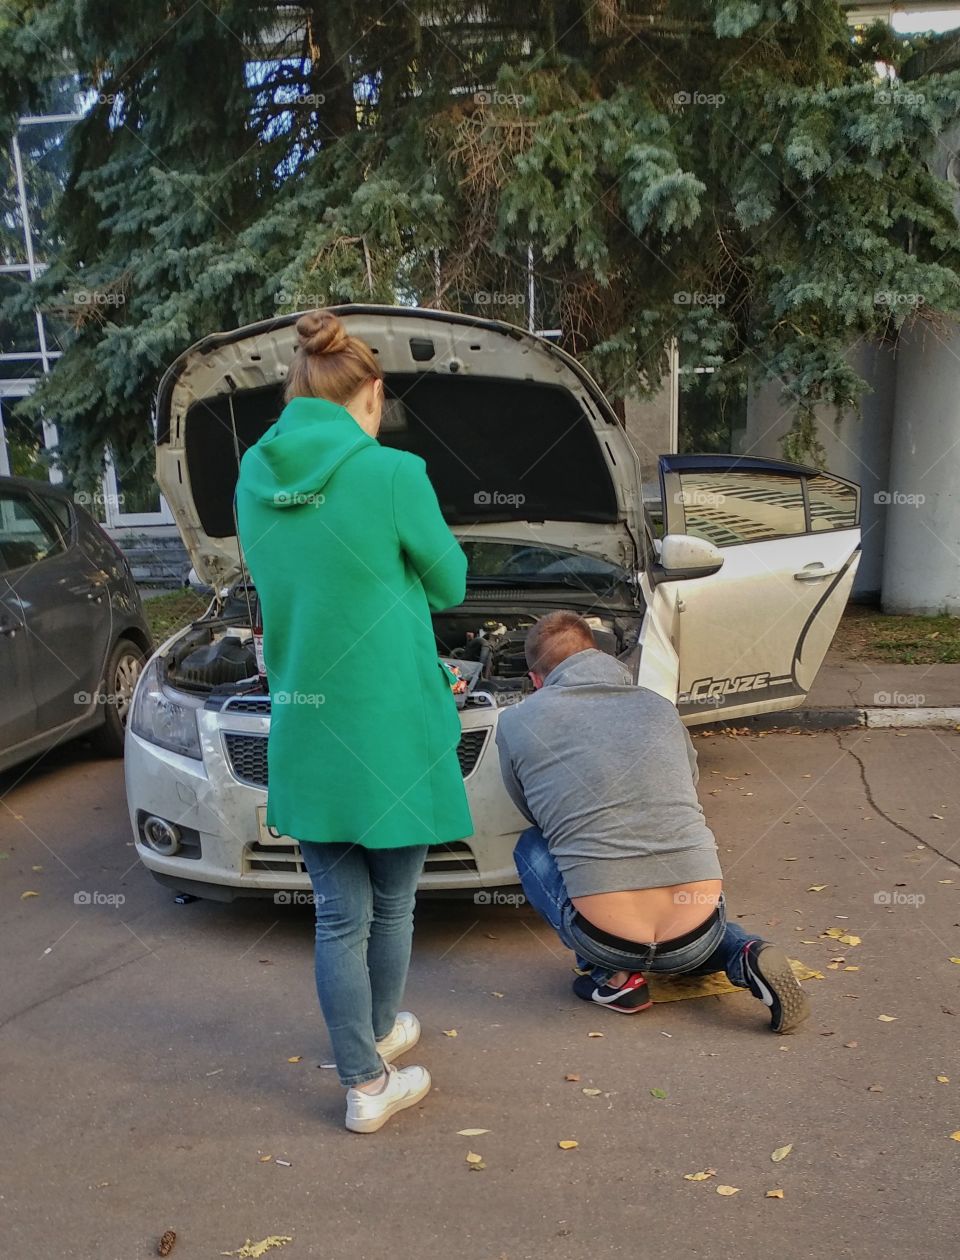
<point x="869" y="635"/>
<point x="172" y="611"/>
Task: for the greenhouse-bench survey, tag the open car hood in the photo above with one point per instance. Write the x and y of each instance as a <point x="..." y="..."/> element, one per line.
<point x="518" y="440"/>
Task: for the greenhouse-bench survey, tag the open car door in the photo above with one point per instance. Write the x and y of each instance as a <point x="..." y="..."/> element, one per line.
<point x="751" y="636"/>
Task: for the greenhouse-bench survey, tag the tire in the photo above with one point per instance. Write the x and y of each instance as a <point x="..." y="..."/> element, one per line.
<point x="123" y="669"/>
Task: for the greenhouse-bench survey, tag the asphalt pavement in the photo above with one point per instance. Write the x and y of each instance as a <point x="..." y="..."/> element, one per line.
<point x="160" y="1062"/>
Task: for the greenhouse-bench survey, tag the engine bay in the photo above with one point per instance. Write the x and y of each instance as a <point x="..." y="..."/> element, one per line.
<point x="217" y="655"/>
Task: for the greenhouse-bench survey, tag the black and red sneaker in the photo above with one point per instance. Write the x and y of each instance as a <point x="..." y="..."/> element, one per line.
<point x="629" y="998"/>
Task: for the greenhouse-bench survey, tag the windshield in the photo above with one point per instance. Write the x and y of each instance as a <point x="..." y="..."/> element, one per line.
<point x="516" y="563"/>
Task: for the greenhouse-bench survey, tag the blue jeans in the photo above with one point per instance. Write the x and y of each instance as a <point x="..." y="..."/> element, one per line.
<point x="364" y="908"/>
<point x="720" y="948"/>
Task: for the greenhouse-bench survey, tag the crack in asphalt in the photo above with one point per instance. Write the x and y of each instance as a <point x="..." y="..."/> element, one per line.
<point x="872" y="800"/>
<point x="70" y="988"/>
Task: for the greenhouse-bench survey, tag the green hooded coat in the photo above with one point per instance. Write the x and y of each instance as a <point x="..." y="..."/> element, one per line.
<point x="349" y="554"/>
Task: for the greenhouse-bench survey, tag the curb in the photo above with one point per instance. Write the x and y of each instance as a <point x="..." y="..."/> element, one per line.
<point x="842" y="719"/>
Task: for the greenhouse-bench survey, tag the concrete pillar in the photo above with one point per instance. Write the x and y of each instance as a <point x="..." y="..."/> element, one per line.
<point x="856" y="447"/>
<point x="921" y="572"/>
<point x="651" y="423"/>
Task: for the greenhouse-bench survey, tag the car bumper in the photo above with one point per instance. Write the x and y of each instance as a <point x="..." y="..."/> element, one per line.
<point x="218" y="816"/>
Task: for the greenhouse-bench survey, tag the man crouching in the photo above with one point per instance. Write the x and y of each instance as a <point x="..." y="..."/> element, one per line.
<point x="620" y="860"/>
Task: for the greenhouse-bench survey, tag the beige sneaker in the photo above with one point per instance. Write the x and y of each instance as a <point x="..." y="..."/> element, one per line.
<point x="403" y="1036"/>
<point x="403" y="1088"/>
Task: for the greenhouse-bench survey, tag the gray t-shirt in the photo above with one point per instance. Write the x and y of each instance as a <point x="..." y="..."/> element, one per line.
<point x="607" y="771"/>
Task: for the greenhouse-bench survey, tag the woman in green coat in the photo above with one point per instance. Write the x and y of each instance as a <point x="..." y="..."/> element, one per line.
<point x="349" y="554"/>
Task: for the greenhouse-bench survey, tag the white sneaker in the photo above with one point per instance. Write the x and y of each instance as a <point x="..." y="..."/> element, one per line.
<point x="403" y="1036"/>
<point x="404" y="1086"/>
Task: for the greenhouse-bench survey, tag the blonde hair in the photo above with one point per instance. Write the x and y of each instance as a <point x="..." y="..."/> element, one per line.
<point x="555" y="637"/>
<point x="329" y="363"/>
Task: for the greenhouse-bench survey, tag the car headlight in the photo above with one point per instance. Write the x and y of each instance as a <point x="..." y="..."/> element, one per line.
<point x="163" y="716"/>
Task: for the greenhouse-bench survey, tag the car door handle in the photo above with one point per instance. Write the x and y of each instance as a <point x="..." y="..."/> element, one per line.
<point x="815" y="573"/>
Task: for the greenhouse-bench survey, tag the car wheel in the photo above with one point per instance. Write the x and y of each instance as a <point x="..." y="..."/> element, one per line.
<point x="123" y="669"/>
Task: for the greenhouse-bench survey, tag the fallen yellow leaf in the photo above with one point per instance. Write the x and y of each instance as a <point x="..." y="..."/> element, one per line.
<point x="774" y="1194"/>
<point x="449" y="1032"/>
<point x="851" y="968"/>
<point x="700" y="1176"/>
<point x="474" y="1158"/>
<point x="567" y="1144"/>
<point x="816" y="888"/>
<point x="781" y="1152"/>
<point x="471" y="1132"/>
<point x="36" y="868"/>
<point x="591" y="1093"/>
<point x="834" y="933"/>
<point x="956" y="1136"/>
<point x="944" y="1080"/>
<point x="728" y="1190"/>
<point x="253" y="1251"/>
<point x="28" y="893"/>
<point x="295" y="1058"/>
<point x="953" y="960"/>
<point x="886" y="1019"/>
<point x="848" y="940"/>
<point x="594" y="1034"/>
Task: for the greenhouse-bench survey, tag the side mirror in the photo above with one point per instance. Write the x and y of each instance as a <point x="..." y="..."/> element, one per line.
<point x="683" y="556"/>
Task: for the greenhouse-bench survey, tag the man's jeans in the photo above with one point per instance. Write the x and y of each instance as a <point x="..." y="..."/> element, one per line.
<point x="720" y="948"/>
<point x="364" y="906"/>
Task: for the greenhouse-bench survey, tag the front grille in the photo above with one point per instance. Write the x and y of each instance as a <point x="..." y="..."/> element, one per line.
<point x="247" y="754"/>
<point x="287" y="858"/>
<point x="248" y="704"/>
<point x="469" y="749"/>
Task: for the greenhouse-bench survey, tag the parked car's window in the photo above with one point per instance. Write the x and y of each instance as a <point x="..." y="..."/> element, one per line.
<point x="733" y="507"/>
<point x="59" y="509"/>
<point x="833" y="505"/>
<point x="26" y="534"/>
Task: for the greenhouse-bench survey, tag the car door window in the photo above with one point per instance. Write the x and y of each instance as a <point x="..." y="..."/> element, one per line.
<point x="833" y="504"/>
<point x="727" y="508"/>
<point x="27" y="535"/>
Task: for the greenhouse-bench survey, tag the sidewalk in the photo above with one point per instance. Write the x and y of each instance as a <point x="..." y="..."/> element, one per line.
<point x="849" y="692"/>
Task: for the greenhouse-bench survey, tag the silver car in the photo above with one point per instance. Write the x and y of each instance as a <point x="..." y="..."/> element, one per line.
<point x="729" y="613"/>
<point x="73" y="637"/>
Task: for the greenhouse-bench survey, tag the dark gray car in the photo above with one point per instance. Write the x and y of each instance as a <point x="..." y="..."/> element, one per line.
<point x="73" y="637"/>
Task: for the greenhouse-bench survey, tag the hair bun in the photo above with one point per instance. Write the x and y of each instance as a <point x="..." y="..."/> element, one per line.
<point x="321" y="332"/>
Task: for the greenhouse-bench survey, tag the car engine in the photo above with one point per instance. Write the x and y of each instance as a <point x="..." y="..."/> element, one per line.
<point x="217" y="654"/>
